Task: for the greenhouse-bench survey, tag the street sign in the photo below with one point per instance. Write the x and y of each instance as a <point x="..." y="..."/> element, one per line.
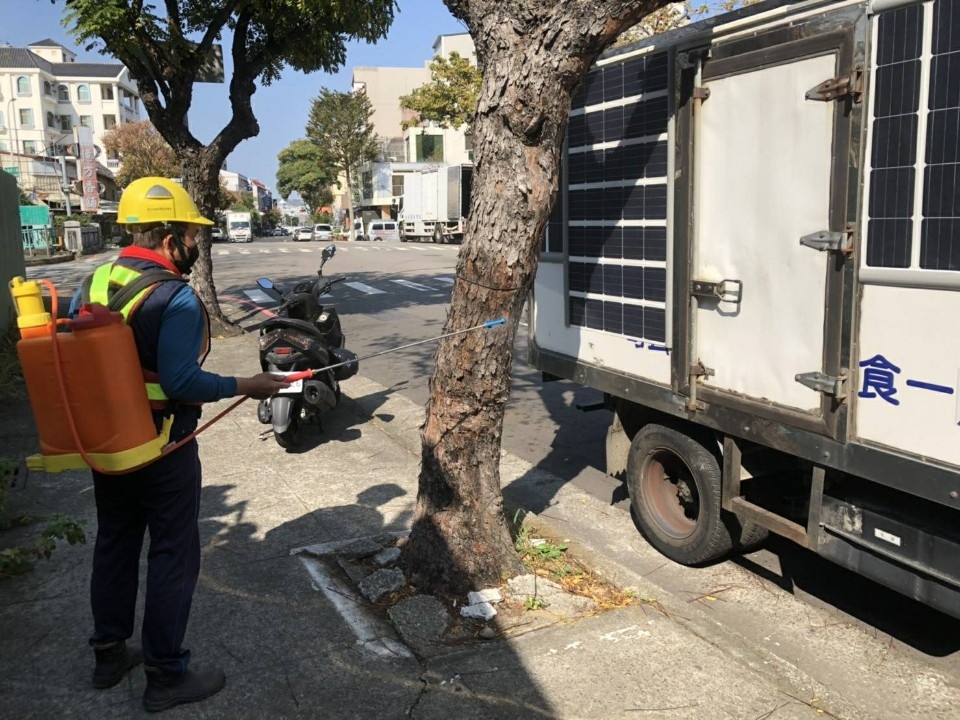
<point x="15" y="171"/>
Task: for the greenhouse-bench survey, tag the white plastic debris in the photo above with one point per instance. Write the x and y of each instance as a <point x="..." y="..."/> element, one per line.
<point x="490" y="595"/>
<point x="479" y="611"/>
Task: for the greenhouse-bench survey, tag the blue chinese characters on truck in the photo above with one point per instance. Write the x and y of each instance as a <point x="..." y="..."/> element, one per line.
<point x="880" y="381"/>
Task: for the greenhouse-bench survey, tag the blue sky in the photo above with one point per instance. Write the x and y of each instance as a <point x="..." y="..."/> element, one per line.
<point x="281" y="108"/>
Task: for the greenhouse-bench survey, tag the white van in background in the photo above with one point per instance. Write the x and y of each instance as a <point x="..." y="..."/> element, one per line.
<point x="383" y="230"/>
<point x="358" y="233"/>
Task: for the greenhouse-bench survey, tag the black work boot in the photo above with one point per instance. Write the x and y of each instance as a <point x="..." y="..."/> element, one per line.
<point x="166" y="690"/>
<point x="113" y="662"/>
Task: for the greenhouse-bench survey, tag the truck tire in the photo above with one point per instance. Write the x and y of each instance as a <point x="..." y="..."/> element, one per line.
<point x="675" y="494"/>
<point x="752" y="536"/>
<point x="437" y="234"/>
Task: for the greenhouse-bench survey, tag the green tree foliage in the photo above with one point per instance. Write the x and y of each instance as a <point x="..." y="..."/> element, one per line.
<point x="304" y="168"/>
<point x="450" y="98"/>
<point x="142" y="151"/>
<point x="168" y="47"/>
<point x="341" y="129"/>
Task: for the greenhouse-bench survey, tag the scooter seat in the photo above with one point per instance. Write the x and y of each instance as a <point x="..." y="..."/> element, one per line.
<point x="278" y="323"/>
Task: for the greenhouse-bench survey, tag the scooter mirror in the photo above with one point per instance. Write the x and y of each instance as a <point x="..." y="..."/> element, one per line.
<point x="265" y="283"/>
<point x="329" y="251"/>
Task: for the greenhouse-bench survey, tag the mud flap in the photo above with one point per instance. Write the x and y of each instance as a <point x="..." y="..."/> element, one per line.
<point x="282" y="408"/>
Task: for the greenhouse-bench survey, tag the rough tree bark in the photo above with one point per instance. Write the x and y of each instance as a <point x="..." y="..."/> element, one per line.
<point x="534" y="54"/>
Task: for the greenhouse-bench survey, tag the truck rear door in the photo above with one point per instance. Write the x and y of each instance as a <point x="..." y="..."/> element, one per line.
<point x="770" y="197"/>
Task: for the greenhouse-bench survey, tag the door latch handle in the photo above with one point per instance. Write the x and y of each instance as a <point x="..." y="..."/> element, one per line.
<point x="730" y="291"/>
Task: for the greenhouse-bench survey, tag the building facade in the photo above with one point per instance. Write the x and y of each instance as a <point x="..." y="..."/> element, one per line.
<point x="44" y="94"/>
<point x="404" y="151"/>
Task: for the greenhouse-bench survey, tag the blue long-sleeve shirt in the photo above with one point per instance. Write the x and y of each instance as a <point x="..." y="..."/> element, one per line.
<point x="181" y="339"/>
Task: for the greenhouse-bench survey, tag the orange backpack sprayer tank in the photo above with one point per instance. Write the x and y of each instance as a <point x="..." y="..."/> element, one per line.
<point x="86" y="387"/>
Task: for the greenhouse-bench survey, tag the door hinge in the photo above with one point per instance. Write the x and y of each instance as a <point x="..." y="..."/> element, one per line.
<point x="724" y="291"/>
<point x="850" y="84"/>
<point x="701" y="370"/>
<point x="842" y="241"/>
<point x="834" y="386"/>
<point x="700" y="93"/>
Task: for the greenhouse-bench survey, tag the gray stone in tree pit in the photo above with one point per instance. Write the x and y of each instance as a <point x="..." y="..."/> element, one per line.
<point x="387" y="556"/>
<point x="380" y="583"/>
<point x="555" y="599"/>
<point x="359" y="548"/>
<point x="421" y="621"/>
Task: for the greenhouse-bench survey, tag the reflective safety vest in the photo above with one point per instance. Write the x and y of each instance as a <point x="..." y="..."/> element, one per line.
<point x="143" y="312"/>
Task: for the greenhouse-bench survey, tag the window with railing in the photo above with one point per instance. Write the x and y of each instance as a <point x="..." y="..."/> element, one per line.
<point x="51" y="120"/>
<point x="47" y="88"/>
<point x="23" y="85"/>
<point x="83" y="93"/>
<point x="109" y="121"/>
<point x="30" y="147"/>
<point x="63" y="93"/>
<point x="106" y="92"/>
<point x="26" y="118"/>
<point x="66" y="123"/>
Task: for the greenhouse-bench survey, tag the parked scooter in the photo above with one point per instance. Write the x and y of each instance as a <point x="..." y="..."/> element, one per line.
<point x="304" y="335"/>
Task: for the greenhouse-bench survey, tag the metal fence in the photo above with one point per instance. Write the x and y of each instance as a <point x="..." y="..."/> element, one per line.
<point x="39" y="241"/>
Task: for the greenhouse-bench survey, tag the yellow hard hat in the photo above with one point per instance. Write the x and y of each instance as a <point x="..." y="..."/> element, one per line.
<point x="157" y="200"/>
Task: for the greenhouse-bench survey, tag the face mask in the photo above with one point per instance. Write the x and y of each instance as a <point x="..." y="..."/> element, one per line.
<point x="186" y="264"/>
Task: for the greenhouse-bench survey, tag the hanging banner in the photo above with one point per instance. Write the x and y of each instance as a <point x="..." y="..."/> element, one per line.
<point x="90" y="200"/>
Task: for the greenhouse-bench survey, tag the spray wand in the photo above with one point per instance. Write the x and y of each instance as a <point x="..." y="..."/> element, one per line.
<point x="307" y="374"/>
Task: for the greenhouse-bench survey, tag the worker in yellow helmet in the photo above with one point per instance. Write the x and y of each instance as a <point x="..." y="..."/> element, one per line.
<point x="170" y="325"/>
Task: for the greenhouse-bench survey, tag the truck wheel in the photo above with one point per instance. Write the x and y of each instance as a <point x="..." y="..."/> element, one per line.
<point x="437" y="234"/>
<point x="752" y="536"/>
<point x="675" y="493"/>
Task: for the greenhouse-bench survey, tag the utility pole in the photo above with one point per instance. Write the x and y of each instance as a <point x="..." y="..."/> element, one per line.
<point x="65" y="184"/>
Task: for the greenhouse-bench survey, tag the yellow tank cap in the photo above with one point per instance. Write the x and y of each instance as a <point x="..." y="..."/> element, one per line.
<point x="28" y="300"/>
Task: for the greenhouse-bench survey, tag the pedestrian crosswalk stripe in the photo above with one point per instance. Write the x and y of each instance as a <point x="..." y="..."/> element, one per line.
<point x="444" y="280"/>
<point x="305" y="250"/>
<point x="364" y="288"/>
<point x="244" y="252"/>
<point x="284" y="250"/>
<point x="265" y="251"/>
<point x="223" y="252"/>
<point x="412" y="285"/>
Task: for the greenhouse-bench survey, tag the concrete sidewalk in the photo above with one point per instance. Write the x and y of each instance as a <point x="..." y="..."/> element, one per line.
<point x="290" y="653"/>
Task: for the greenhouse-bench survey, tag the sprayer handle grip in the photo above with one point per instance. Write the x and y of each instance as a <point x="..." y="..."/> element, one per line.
<point x="302" y="375"/>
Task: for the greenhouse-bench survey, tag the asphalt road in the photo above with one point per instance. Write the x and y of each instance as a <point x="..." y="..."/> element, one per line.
<point x="399" y="293"/>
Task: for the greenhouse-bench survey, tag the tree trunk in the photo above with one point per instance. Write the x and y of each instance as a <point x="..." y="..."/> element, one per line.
<point x="534" y="56"/>
<point x="201" y="176"/>
<point x="349" y="194"/>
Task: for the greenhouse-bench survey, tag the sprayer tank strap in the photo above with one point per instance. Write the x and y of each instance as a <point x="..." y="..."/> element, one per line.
<point x="147" y="279"/>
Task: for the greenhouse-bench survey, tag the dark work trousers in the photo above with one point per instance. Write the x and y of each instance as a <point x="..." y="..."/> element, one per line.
<point x="163" y="498"/>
